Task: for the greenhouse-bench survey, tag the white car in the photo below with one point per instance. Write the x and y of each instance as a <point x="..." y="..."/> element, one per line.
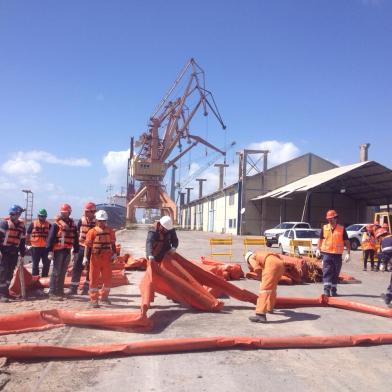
<point x="272" y="235"/>
<point x="355" y="233"/>
<point x="299" y="234"/>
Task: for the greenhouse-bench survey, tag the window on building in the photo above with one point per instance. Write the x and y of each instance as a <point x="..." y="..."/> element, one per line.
<point x="230" y="223"/>
<point x="231" y="198"/>
<point x="234" y="223"/>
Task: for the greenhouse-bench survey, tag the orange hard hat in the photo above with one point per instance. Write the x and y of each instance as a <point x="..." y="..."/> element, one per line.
<point x="381" y="231"/>
<point x="331" y="214"/>
<point x="66" y="208"/>
<point x="90" y="206"/>
<point x="369" y="227"/>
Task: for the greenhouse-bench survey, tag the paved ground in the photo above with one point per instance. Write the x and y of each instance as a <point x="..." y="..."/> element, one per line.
<point x="346" y="369"/>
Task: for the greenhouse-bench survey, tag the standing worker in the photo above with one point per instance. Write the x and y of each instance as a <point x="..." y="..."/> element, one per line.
<point x="271" y="268"/>
<point x="86" y="222"/>
<point x="100" y="249"/>
<point x="333" y="238"/>
<point x="63" y="236"/>
<point x="368" y="246"/>
<point x="37" y="235"/>
<point x="384" y="257"/>
<point x="161" y="239"/>
<point x="12" y="245"/>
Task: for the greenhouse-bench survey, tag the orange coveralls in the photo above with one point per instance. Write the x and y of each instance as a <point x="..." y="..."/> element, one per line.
<point x="102" y="242"/>
<point x="271" y="268"/>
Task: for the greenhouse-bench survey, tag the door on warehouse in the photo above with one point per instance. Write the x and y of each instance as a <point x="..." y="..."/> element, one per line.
<point x="211" y="216"/>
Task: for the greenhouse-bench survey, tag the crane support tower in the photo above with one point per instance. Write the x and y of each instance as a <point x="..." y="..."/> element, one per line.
<point x="169" y="124"/>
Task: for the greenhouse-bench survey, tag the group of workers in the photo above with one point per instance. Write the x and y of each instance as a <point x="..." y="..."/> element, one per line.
<point x="91" y="243"/>
<point x="332" y="242"/>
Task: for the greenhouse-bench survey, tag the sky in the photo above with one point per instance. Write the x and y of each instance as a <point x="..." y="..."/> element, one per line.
<point x="78" y="78"/>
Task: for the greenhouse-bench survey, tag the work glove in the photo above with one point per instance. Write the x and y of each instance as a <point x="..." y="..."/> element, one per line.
<point x="151" y="258"/>
<point x="318" y="253"/>
<point x="347" y="258"/>
<point x="85" y="261"/>
<point x="50" y="256"/>
<point x="114" y="257"/>
<point x="28" y="247"/>
<point x="172" y="250"/>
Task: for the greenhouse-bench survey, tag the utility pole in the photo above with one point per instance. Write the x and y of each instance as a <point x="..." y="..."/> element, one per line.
<point x="201" y="180"/>
<point x="221" y="173"/>
<point x="173" y="182"/>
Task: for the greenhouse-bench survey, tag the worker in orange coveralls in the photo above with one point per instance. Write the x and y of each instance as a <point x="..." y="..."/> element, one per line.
<point x="101" y="251"/>
<point x="271" y="268"/>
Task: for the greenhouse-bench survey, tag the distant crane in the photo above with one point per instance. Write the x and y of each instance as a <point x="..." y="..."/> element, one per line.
<point x="168" y="125"/>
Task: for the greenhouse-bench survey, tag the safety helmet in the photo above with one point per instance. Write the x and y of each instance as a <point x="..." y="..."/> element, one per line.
<point x="90" y="206"/>
<point x="101" y="215"/>
<point x="331" y="214"/>
<point x="166" y="222"/>
<point x="66" y="208"/>
<point x="247" y="255"/>
<point x="42" y="212"/>
<point x="15" y="210"/>
<point x="369" y="227"/>
<point x="381" y="231"/>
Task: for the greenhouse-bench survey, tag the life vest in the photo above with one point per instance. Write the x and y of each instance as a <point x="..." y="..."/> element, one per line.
<point x="333" y="239"/>
<point x="103" y="240"/>
<point x="14" y="234"/>
<point x="368" y="242"/>
<point x="39" y="234"/>
<point x="84" y="228"/>
<point x="65" y="234"/>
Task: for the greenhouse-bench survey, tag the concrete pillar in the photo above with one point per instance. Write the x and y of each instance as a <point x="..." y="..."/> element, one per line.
<point x="188" y="195"/>
<point x="363" y="152"/>
<point x="221" y="173"/>
<point x="200" y="180"/>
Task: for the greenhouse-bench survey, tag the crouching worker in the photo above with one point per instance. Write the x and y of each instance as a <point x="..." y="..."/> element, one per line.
<point x="161" y="239"/>
<point x="270" y="267"/>
<point x="101" y="251"/>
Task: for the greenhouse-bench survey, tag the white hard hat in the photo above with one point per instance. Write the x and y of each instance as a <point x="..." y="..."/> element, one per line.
<point x="247" y="255"/>
<point x="101" y="215"/>
<point x="166" y="222"/>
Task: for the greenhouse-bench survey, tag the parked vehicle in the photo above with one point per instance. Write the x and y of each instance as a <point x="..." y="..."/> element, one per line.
<point x="272" y="235"/>
<point x="312" y="235"/>
<point x="355" y="233"/>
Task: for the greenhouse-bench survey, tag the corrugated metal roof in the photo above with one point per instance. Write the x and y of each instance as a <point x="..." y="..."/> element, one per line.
<point x="367" y="181"/>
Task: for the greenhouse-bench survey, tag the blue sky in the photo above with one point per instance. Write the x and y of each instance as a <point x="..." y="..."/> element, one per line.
<point x="78" y="78"/>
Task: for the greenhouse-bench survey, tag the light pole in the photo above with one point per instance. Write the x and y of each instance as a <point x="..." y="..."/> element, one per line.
<point x="29" y="205"/>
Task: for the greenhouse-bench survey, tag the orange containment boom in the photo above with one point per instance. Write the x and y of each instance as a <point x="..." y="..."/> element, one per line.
<point x="167" y="346"/>
<point x="37" y="320"/>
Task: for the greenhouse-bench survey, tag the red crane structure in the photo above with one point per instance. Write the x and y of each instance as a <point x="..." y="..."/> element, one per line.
<point x="169" y="124"/>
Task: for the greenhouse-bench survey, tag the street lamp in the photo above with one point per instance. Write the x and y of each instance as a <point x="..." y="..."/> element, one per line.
<point x="29" y="204"/>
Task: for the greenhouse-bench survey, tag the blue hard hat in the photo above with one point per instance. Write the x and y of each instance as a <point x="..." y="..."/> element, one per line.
<point x="15" y="209"/>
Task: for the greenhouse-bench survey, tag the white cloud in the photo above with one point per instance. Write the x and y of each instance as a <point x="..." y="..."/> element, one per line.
<point x="20" y="167"/>
<point x="47" y="157"/>
<point x="279" y="151"/>
<point x="116" y="163"/>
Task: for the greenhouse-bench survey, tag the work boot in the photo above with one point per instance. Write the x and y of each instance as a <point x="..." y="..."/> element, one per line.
<point x="334" y="293"/>
<point x="387" y="298"/>
<point x="258" y="318"/>
<point x="327" y="292"/>
<point x="85" y="288"/>
<point x="93" y="304"/>
<point x="55" y="297"/>
<point x="73" y="290"/>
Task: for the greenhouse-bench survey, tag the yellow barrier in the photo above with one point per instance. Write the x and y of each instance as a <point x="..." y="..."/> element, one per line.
<point x="304" y="243"/>
<point x="258" y="241"/>
<point x="227" y="241"/>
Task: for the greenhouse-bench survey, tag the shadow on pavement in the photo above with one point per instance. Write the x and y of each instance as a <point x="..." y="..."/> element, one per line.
<point x="293" y="316"/>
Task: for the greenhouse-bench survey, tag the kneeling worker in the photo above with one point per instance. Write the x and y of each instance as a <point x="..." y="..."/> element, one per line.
<point x="161" y="239"/>
<point x="101" y="251"/>
<point x="271" y="267"/>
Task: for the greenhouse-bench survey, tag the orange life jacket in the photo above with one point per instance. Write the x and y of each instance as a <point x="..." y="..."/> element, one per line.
<point x="84" y="228"/>
<point x="103" y="240"/>
<point x="39" y="234"/>
<point x="333" y="240"/>
<point x="368" y="242"/>
<point x="14" y="233"/>
<point x="65" y="235"/>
